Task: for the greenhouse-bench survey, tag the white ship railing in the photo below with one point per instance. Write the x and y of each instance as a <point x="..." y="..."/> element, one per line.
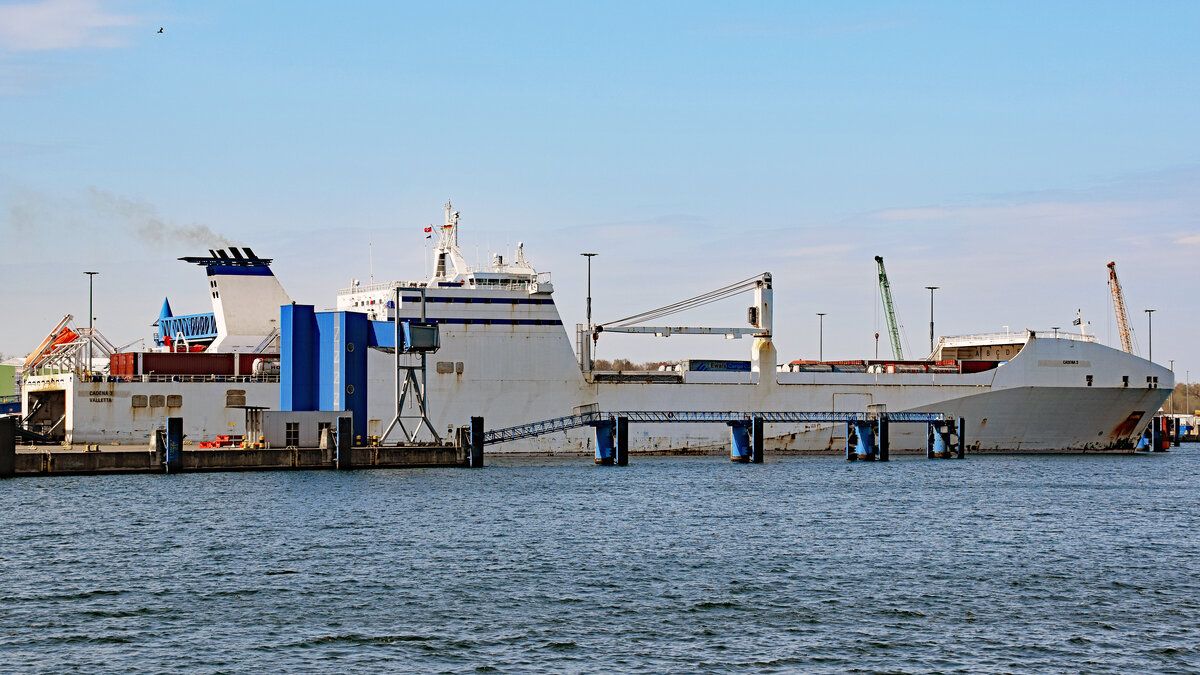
<point x="197" y="378"/>
<point x="1011" y="337"/>
<point x="35" y="382"/>
<point x="531" y="282"/>
<point x="382" y="286"/>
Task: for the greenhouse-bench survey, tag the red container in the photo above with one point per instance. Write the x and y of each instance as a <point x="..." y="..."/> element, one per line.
<point x="184" y="363"/>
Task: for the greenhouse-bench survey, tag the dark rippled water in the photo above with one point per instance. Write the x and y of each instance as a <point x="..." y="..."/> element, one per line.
<point x="991" y="564"/>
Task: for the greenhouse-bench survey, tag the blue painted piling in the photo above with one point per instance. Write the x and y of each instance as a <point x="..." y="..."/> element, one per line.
<point x="174" y="449"/>
<point x="739" y="445"/>
<point x="936" y="447"/>
<point x="606" y="432"/>
<point x="864" y="442"/>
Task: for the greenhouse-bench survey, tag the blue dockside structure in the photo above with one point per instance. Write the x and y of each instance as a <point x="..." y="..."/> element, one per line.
<point x="323" y="360"/>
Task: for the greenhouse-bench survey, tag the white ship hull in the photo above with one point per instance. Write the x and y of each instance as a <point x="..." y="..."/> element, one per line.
<point x="84" y="412"/>
<point x="1037" y="402"/>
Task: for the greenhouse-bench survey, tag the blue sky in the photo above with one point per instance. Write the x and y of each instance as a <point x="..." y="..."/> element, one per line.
<point x="1002" y="151"/>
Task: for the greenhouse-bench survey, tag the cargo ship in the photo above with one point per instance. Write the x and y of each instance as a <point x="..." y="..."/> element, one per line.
<point x="504" y="354"/>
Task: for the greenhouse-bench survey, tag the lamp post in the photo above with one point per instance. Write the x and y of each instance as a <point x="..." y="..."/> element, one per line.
<point x="91" y="276"/>
<point x="1150" y="333"/>
<point x="595" y="336"/>
<point x="931" y="290"/>
<point x="1172" y="387"/>
<point x="1055" y="331"/>
<point x="589" y="257"/>
<point x="821" y="337"/>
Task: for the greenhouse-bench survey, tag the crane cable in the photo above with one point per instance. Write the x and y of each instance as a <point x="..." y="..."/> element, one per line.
<point x="722" y="293"/>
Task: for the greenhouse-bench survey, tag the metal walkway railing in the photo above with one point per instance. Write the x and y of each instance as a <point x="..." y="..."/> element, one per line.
<point x="667" y="416"/>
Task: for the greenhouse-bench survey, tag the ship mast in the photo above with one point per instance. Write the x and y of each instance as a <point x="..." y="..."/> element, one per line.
<point x="449" y="262"/>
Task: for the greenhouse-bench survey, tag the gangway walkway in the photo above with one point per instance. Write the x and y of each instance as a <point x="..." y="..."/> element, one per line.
<point x="866" y="432"/>
<point x="556" y="424"/>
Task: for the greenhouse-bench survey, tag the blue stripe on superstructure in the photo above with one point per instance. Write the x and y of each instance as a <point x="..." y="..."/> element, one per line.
<point x="488" y="301"/>
<point x="230" y="270"/>
<point x="486" y="322"/>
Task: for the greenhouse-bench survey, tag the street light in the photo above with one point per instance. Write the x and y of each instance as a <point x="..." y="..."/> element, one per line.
<point x="1172" y="387"/>
<point x="1150" y="333"/>
<point x="931" y="290"/>
<point x="821" y="338"/>
<point x="595" y="338"/>
<point x="1055" y="331"/>
<point x="589" y="257"/>
<point x="91" y="276"/>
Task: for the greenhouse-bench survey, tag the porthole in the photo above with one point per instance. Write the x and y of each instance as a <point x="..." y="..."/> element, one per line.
<point x="349" y="346"/>
<point x="349" y="389"/>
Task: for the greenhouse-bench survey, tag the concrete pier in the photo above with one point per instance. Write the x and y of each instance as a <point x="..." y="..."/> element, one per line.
<point x="50" y="460"/>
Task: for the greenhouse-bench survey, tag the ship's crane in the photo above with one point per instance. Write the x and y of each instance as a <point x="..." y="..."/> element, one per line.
<point x="885" y="289"/>
<point x="1123" y="326"/>
<point x="760" y="318"/>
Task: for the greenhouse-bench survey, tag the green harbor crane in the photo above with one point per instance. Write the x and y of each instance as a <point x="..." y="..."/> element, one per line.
<point x="885" y="290"/>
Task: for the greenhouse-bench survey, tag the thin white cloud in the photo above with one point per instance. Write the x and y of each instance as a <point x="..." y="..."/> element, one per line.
<point x="819" y="251"/>
<point x="1051" y="211"/>
<point x="1192" y="239"/>
<point x="60" y="24"/>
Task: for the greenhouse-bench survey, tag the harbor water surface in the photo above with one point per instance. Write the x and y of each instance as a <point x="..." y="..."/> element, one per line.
<point x="673" y="564"/>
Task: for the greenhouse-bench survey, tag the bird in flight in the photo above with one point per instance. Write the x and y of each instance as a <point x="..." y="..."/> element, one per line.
<point x="160" y="29"/>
